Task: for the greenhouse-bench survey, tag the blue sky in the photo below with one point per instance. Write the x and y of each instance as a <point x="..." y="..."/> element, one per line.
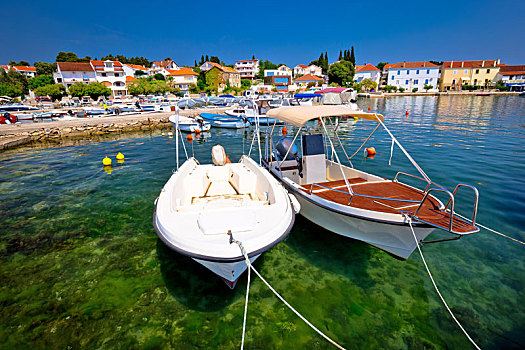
<point x="281" y="31"/>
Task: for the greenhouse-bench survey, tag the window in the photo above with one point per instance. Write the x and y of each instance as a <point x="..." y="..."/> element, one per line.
<point x="465" y="71"/>
<point x="426" y="81"/>
<point x="455" y="71"/>
<point x="406" y="82"/>
<point x="392" y="77"/>
<point x="398" y="72"/>
<point x="416" y="81"/>
<point x="108" y="64"/>
<point x="477" y="71"/>
<point x="408" y="71"/>
<point x="104" y="74"/>
<point x="488" y="71"/>
<point x="417" y="71"/>
<point x="116" y="74"/>
<point x="428" y="71"/>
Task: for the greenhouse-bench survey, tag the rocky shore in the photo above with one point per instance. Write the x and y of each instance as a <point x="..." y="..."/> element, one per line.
<point x="14" y="135"/>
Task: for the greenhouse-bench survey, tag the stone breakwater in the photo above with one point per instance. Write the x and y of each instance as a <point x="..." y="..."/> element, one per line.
<point x="13" y="135"/>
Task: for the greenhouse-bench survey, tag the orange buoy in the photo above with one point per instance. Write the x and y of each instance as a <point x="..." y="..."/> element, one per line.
<point x="371" y="151"/>
<point x="369" y="109"/>
<point x="284" y="130"/>
<point x="197" y="131"/>
<point x="228" y="160"/>
<point x="406" y="113"/>
<point x="190" y="138"/>
<point x="320" y="122"/>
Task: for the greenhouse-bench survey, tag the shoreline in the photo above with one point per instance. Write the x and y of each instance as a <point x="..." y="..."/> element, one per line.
<point x="383" y="94"/>
<point x="14" y="135"/>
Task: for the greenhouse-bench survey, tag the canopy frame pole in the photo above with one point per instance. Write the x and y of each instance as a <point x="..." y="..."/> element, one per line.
<point x="341" y="144"/>
<point x="405" y="152"/>
<point x="289" y="148"/>
<point x="350" y="192"/>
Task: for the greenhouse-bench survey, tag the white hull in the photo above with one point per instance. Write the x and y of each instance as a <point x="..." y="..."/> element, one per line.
<point x="229" y="272"/>
<point x="395" y="239"/>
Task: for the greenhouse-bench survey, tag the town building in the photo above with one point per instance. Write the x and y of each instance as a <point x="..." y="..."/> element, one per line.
<point x="111" y="74"/>
<point x="182" y="78"/>
<point x="512" y="76"/>
<point x="248" y="69"/>
<point x="281" y="71"/>
<point x="455" y="74"/>
<point x="308" y="78"/>
<point x="131" y="69"/>
<point x="162" y="66"/>
<point x="280" y="82"/>
<point x="209" y="65"/>
<point x="410" y="75"/>
<point x="29" y="72"/>
<point x="69" y="73"/>
<point x="303" y="69"/>
<point x="221" y="76"/>
<point x="368" y="71"/>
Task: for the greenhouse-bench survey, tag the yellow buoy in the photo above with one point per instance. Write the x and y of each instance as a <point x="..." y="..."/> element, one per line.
<point x="106" y="161"/>
<point x="120" y="156"/>
<point x="108" y="169"/>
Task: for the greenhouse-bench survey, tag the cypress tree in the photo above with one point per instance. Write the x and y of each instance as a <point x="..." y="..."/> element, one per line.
<point x="340" y="55"/>
<point x="352" y="56"/>
<point x="325" y="66"/>
<point x="195" y="63"/>
<point x="346" y="55"/>
<point x="202" y="59"/>
<point x="207" y="58"/>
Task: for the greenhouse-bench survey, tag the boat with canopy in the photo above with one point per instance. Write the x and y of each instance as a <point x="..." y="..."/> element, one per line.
<point x="351" y="202"/>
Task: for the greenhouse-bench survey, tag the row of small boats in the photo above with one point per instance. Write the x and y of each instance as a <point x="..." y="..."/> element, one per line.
<point x="204" y="208"/>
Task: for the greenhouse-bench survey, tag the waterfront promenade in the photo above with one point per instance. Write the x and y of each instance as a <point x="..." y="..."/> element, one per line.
<point x="14" y="135"/>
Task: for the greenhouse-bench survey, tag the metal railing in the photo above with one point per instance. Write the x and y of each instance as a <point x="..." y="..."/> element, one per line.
<point x="476" y="193"/>
<point x="451" y="200"/>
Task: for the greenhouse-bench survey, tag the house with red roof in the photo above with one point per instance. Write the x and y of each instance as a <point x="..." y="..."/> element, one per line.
<point x="456" y="74"/>
<point x="248" y="69"/>
<point x="182" y="78"/>
<point x="303" y="69"/>
<point x="29" y="72"/>
<point x="368" y="71"/>
<point x="68" y="73"/>
<point x="111" y="74"/>
<point x="309" y="78"/>
<point x="512" y="76"/>
<point x="410" y="75"/>
<point x="162" y="66"/>
<point x="131" y="69"/>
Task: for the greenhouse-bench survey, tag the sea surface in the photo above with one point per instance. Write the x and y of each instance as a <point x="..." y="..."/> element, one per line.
<point x="82" y="267"/>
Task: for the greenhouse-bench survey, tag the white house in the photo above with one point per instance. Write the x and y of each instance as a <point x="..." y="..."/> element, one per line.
<point x="512" y="76"/>
<point x="69" y="73"/>
<point x="368" y="71"/>
<point x="111" y="74"/>
<point x="182" y="78"/>
<point x="303" y="69"/>
<point x="162" y="67"/>
<point x="410" y="75"/>
<point x="247" y="68"/>
<point x="282" y="71"/>
<point x="130" y="69"/>
<point x="29" y="72"/>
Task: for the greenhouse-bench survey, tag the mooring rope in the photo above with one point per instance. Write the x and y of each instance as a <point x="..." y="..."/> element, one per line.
<point x="488" y="228"/>
<point x="435" y="286"/>
<point x="368" y="138"/>
<point x="250" y="266"/>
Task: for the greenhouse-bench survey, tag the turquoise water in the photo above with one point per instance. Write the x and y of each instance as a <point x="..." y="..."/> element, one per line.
<point x="81" y="265"/>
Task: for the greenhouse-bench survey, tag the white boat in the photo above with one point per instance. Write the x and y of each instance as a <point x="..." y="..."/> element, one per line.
<point x="188" y="124"/>
<point x="203" y="208"/>
<point x="354" y="203"/>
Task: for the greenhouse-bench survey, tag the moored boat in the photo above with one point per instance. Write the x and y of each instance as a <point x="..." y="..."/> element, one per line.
<point x="224" y="121"/>
<point x="188" y="124"/>
<point x="354" y="203"/>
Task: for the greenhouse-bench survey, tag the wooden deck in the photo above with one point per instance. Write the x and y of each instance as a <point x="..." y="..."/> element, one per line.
<point x="430" y="211"/>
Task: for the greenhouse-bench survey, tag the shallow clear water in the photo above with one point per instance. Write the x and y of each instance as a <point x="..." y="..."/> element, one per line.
<point x="81" y="265"/>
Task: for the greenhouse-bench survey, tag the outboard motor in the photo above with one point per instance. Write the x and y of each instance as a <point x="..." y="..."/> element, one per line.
<point x="282" y="147"/>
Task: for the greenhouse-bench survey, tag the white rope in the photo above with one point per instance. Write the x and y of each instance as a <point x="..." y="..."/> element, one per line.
<point x="435" y="286"/>
<point x="489" y="229"/>
<point x="250" y="266"/>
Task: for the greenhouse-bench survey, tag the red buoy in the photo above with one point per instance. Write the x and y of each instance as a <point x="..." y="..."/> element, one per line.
<point x="190" y="138"/>
<point x="371" y="151"/>
<point x="284" y="130"/>
<point x="406" y="113"/>
<point x="369" y="109"/>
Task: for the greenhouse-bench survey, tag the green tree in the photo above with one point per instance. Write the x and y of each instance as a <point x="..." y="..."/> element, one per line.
<point x="390" y="88"/>
<point x="70" y="57"/>
<point x="341" y="73"/>
<point x="215" y="59"/>
<point x="246" y="83"/>
<point x="381" y="65"/>
<point x="40" y="80"/>
<point x="265" y="65"/>
<point x="95" y="90"/>
<point x="54" y="91"/>
<point x="415" y="89"/>
<point x="139" y="73"/>
<point x="207" y="59"/>
<point x="10" y="90"/>
<point x="201" y="62"/>
<point x="21" y="63"/>
<point x="340" y="55"/>
<point x="15" y="79"/>
<point x="437" y="63"/>
<point x="78" y="89"/>
<point x="427" y="87"/>
<point x="45" y="68"/>
<point x="159" y="76"/>
<point x="352" y="56"/>
<point x="368" y="84"/>
<point x="194" y="89"/>
<point x="401" y="89"/>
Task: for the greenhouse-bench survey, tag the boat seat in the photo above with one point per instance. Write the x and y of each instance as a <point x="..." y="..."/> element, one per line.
<point x="219" y="179"/>
<point x="243" y="180"/>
